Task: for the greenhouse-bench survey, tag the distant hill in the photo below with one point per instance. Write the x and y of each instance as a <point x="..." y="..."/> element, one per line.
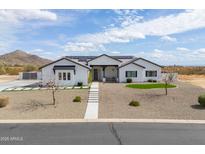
<point x="19" y="57"/>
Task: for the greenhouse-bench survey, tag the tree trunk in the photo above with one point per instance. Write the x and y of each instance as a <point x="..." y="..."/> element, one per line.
<point x="54" y="99"/>
<point x="166" y="88"/>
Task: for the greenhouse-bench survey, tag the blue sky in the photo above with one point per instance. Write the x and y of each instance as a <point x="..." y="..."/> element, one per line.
<point x="164" y="36"/>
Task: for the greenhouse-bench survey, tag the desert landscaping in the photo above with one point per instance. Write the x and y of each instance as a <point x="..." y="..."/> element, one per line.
<point x="7" y="78"/>
<point x="180" y="103"/>
<point x="198" y="80"/>
<point x="114" y="98"/>
<point x="38" y="104"/>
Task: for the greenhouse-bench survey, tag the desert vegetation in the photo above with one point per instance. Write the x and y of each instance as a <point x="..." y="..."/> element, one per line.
<point x="185" y="70"/>
<point x="134" y="103"/>
<point x="201" y="100"/>
<point x="14" y="70"/>
<point x="4" y="101"/>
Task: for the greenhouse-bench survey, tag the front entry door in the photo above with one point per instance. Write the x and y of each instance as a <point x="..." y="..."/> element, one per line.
<point x="95" y="75"/>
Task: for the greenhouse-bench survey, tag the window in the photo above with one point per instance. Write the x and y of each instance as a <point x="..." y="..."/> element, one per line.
<point x="68" y="76"/>
<point x="131" y="74"/>
<point x="151" y="73"/>
<point x="59" y="76"/>
<point x="64" y="76"/>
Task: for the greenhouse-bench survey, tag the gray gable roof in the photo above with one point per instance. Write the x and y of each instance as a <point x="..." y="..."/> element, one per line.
<point x="66" y="58"/>
<point x="136" y="58"/>
<point x="87" y="58"/>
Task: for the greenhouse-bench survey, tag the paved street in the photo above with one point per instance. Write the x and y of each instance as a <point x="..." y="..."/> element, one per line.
<point x="102" y="133"/>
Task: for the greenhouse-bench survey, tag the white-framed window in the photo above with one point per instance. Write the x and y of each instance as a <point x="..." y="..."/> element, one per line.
<point x="68" y="76"/>
<point x="151" y="74"/>
<point x="64" y="75"/>
<point x="59" y="76"/>
<point x="131" y="74"/>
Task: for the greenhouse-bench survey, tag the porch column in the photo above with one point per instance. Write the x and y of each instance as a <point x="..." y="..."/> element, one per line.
<point x="104" y="71"/>
<point x="117" y="73"/>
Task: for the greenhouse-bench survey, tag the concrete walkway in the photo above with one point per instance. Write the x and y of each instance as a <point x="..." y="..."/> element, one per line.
<point x="93" y="102"/>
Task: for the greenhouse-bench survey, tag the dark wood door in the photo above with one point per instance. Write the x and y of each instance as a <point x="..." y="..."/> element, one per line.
<point x="95" y="75"/>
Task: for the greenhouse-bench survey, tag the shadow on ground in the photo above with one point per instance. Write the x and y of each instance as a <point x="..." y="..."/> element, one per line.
<point x="199" y="107"/>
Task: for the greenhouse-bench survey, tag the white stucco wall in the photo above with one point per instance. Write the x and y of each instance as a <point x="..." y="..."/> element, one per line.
<point x="104" y="60"/>
<point x="81" y="74"/>
<point x="131" y="67"/>
<point x="149" y="67"/>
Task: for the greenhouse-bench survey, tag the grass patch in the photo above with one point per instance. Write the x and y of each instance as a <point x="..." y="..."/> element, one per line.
<point x="150" y="86"/>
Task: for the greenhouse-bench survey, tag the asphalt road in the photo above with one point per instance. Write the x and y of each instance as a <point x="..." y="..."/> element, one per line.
<point x="102" y="133"/>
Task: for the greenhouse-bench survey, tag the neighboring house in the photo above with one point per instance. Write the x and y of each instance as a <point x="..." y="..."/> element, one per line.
<point x="70" y="70"/>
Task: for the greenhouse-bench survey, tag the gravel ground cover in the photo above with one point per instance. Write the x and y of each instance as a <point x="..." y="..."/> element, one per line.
<point x="181" y="102"/>
<point x="38" y="104"/>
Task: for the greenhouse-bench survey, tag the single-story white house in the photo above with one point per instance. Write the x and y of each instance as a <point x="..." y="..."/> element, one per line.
<point x="71" y="70"/>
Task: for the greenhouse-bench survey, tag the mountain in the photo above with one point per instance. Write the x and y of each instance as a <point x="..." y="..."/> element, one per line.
<point x="19" y="57"/>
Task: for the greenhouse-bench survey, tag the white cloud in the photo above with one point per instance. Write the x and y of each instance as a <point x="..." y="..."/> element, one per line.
<point x="201" y="50"/>
<point x="162" y="26"/>
<point x="168" y="38"/>
<point x="172" y="24"/>
<point x="115" y="52"/>
<point x="15" y="16"/>
<point x="171" y="57"/>
<point x="51" y="43"/>
<point x="160" y="54"/>
<point x="127" y="17"/>
<point x="182" y="49"/>
<point x="37" y="50"/>
<point x="81" y="47"/>
<point x="13" y="22"/>
<point x="114" y="35"/>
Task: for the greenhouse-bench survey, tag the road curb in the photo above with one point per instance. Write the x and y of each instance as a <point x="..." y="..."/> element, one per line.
<point x="104" y="120"/>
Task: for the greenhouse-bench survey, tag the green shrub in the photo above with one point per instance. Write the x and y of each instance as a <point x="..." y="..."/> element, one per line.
<point x="29" y="68"/>
<point x="2" y="70"/>
<point x="134" y="103"/>
<point x="80" y="84"/>
<point x="4" y="101"/>
<point x="151" y="80"/>
<point x="77" y="99"/>
<point x="13" y="70"/>
<point x="90" y="78"/>
<point x="201" y="100"/>
<point x="129" y="80"/>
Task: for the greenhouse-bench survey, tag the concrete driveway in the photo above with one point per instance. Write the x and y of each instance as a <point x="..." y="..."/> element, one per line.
<point x="17" y="83"/>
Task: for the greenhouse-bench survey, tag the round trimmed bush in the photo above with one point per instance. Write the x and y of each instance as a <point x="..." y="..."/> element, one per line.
<point x="134" y="103"/>
<point x="4" y="101"/>
<point x="201" y="100"/>
<point x="80" y="84"/>
<point x="129" y="80"/>
<point x="77" y="99"/>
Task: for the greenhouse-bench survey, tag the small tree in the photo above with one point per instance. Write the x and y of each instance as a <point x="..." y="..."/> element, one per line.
<point x="169" y="77"/>
<point x="51" y="85"/>
<point x="29" y="68"/>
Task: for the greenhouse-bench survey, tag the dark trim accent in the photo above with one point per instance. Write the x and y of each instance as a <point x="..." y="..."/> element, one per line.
<point x="64" y="67"/>
<point x="65" y="59"/>
<point x="131" y="62"/>
<point x="104" y="55"/>
<point x="103" y="65"/>
<point x="150" y="62"/>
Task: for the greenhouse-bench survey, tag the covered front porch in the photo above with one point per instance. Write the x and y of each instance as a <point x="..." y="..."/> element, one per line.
<point x="105" y="73"/>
